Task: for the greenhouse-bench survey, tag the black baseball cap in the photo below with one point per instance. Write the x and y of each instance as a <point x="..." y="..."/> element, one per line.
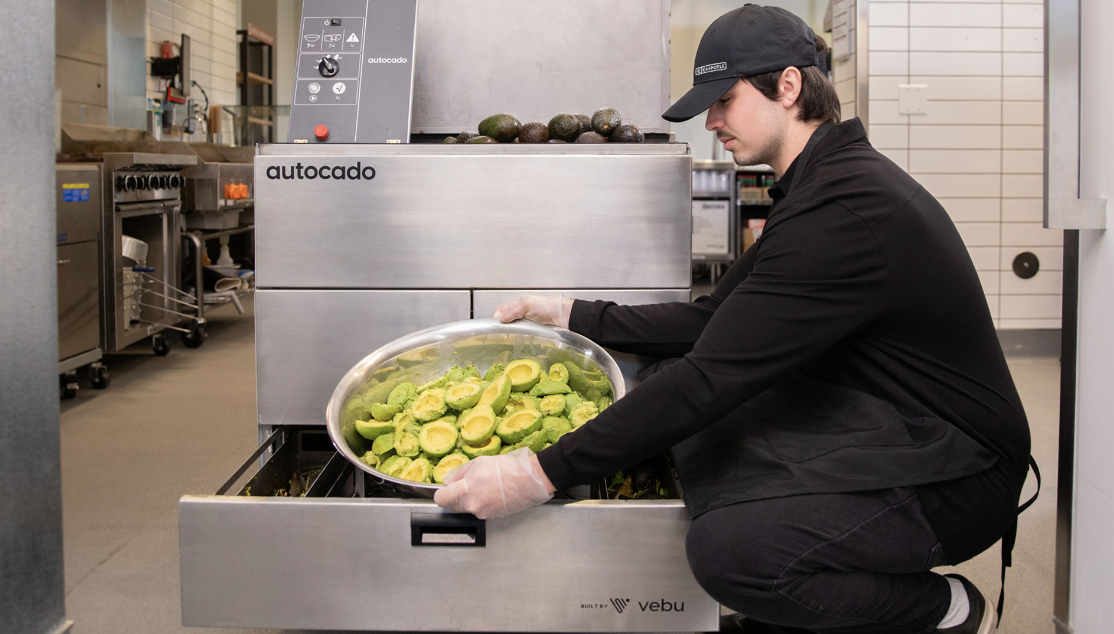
<point x="747" y="41"/>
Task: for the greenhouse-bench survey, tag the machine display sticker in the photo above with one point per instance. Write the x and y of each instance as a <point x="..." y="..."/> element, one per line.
<point x="75" y="192"/>
<point x="710" y="226"/>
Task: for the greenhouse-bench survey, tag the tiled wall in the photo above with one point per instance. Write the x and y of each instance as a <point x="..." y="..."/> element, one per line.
<point x="843" y="67"/>
<point x="211" y="25"/>
<point x="979" y="147"/>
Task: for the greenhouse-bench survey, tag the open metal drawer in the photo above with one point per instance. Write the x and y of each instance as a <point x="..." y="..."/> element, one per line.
<point x="336" y="560"/>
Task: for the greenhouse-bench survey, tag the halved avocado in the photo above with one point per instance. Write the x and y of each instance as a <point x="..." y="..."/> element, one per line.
<point x="407" y="445"/>
<point x="497" y="393"/>
<point x="534" y="441"/>
<point x="553" y="405"/>
<point x="507" y="449"/>
<point x="493" y="372"/>
<point x="429" y="405"/>
<point x="372" y="429"/>
<point x="403" y="392"/>
<point x="384" y="411"/>
<point x="520" y="401"/>
<point x="604" y="402"/>
<point x="490" y="447"/>
<point x="519" y="425"/>
<point x="394" y="465"/>
<point x="448" y="418"/>
<point x="463" y="395"/>
<point x="524" y="374"/>
<point x="403" y="419"/>
<point x="477" y="424"/>
<point x="545" y="388"/>
<point x="473" y="379"/>
<point x="438" y="438"/>
<point x="571" y="401"/>
<point x="447" y="464"/>
<point x="454" y="374"/>
<point x="555" y="427"/>
<point x="383" y="446"/>
<point x="435" y="383"/>
<point x="419" y="470"/>
<point x="583" y="413"/>
<point x="370" y="459"/>
<point x="470" y="370"/>
<point x="559" y="373"/>
<point x="577" y="381"/>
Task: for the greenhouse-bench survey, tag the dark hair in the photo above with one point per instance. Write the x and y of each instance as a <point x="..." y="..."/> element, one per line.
<point x="818" y="99"/>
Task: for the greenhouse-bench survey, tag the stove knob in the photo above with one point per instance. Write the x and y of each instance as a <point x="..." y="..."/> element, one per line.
<point x="328" y="67"/>
<point x="175" y="181"/>
<point x="120" y="183"/>
<point x="164" y="182"/>
<point x="144" y="182"/>
<point x="131" y="184"/>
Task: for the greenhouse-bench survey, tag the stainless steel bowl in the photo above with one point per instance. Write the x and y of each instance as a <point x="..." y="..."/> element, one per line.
<point x="427" y="354"/>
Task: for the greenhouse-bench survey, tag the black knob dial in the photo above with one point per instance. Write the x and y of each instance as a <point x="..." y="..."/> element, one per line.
<point x="328" y="67"/>
<point x="175" y="181"/>
<point x="144" y="182"/>
<point x="120" y="183"/>
<point x="164" y="182"/>
<point x="131" y="183"/>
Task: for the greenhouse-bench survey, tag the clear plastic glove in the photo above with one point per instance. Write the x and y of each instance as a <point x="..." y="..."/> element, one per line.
<point x="496" y="486"/>
<point x="551" y="310"/>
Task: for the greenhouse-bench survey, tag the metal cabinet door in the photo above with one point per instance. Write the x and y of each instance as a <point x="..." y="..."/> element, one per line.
<point x="306" y="340"/>
<point x="78" y="299"/>
<point x="485" y="302"/>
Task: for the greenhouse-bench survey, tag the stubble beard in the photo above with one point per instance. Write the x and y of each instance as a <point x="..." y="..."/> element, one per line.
<point x="762" y="156"/>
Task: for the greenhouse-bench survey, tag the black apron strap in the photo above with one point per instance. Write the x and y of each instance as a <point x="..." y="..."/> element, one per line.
<point x="1010" y="538"/>
<point x="802" y="158"/>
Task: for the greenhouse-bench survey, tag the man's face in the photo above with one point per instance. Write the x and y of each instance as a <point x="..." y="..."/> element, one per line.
<point x="748" y="124"/>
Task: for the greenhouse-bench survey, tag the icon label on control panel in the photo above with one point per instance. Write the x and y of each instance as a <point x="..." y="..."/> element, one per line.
<point x="332" y="37"/>
<point x="313" y="98"/>
<point x="339" y="87"/>
<point x="314" y="88"/>
<point x="352" y="39"/>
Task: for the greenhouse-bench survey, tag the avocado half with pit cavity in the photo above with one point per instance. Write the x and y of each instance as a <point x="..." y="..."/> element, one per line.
<point x="477" y="424"/>
<point x="553" y="405"/>
<point x="384" y="411"/>
<point x="518" y="426"/>
<point x="463" y="395"/>
<point x="524" y="374"/>
<point x="407" y="445"/>
<point x="489" y="447"/>
<point x="429" y="405"/>
<point x="420" y="470"/>
<point x="372" y="429"/>
<point x="447" y="464"/>
<point x="497" y="393"/>
<point x="394" y="465"/>
<point x="438" y="438"/>
<point x="558" y="372"/>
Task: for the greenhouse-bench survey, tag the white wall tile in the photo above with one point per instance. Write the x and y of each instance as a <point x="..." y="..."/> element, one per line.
<point x="958" y="137"/>
<point x="1019" y="15"/>
<point x="979" y="234"/>
<point x="1022" y="186"/>
<point x="960" y="88"/>
<point x="889" y="136"/>
<point x="959" y="64"/>
<point x="885" y="113"/>
<point x="948" y="14"/>
<point x="961" y="185"/>
<point x="1025" y="234"/>
<point x="885" y="87"/>
<point x="952" y="39"/>
<point x="846" y="68"/>
<point x="1023" y="137"/>
<point x="899" y="157"/>
<point x="1023" y="112"/>
<point x="161" y="21"/>
<point x="1029" y="306"/>
<point x="888" y="14"/>
<point x="1043" y="283"/>
<point x="1023" y="40"/>
<point x="959" y="113"/>
<point x="972" y="209"/>
<point x="990" y="281"/>
<point x="952" y="161"/>
<point x="889" y="38"/>
<point x="845" y="90"/>
<point x="1023" y="64"/>
<point x="1050" y="258"/>
<point x="1023" y="161"/>
<point x="889" y="63"/>
<point x="1023" y="88"/>
<point x="1029" y="324"/>
<point x="984" y="258"/>
<point x="1023" y="210"/>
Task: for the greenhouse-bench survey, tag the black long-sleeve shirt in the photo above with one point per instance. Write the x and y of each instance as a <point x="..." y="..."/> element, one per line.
<point x="860" y="280"/>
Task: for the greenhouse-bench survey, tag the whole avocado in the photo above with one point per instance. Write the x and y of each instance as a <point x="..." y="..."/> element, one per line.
<point x="533" y="132"/>
<point x="451" y="139"/>
<point x="502" y="127"/>
<point x="627" y="133"/>
<point x="481" y="139"/>
<point x="585" y="122"/>
<point x="464" y="137"/>
<point x="565" y="127"/>
<point x="556" y="141"/>
<point x="591" y="137"/>
<point x="605" y="120"/>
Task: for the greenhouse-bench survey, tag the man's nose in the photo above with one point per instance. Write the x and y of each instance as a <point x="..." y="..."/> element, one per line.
<point x="714" y="121"/>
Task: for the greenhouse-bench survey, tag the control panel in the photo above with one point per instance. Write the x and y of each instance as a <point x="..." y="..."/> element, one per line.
<point x="137" y="185"/>
<point x="355" y="72"/>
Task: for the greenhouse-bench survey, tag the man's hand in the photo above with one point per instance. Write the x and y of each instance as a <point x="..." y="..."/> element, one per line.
<point x="551" y="310"/>
<point x="496" y="486"/>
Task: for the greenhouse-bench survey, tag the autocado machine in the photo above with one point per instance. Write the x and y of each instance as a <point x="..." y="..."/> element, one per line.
<point x="381" y="253"/>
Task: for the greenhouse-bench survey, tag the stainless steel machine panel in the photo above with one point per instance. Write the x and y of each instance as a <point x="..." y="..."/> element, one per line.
<point x="433" y="216"/>
<point x="78" y="198"/>
<point x="485" y="302"/>
<point x="327" y="563"/>
<point x="306" y="340"/>
<point x="79" y="326"/>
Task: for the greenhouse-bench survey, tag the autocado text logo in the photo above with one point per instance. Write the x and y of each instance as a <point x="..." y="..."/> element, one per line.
<point x="387" y="60"/>
<point x="324" y="172"/>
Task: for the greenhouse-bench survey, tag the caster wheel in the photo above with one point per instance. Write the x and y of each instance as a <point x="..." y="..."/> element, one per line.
<point x="160" y="345"/>
<point x="99" y="376"/>
<point x="195" y="337"/>
<point x="68" y="385"/>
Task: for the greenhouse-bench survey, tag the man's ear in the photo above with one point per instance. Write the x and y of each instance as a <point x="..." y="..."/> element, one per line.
<point x="789" y="86"/>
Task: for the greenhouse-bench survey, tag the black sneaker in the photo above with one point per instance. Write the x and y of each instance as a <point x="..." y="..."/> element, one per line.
<point x="740" y="624"/>
<point x="981" y="619"/>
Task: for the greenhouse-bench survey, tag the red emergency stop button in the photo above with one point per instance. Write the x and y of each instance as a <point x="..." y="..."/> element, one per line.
<point x="321" y="132"/>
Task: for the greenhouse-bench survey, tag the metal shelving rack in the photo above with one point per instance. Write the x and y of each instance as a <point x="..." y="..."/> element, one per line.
<point x="256" y="80"/>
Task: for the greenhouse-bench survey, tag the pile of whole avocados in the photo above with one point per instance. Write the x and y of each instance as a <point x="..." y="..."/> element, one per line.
<point x="603" y="126"/>
<point x="420" y="433"/>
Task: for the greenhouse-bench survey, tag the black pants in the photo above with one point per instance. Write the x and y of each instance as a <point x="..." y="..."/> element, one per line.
<point x="842" y="562"/>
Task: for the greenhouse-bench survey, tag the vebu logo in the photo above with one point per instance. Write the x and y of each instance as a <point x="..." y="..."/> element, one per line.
<point x="711" y="68"/>
<point x="388" y="60"/>
<point x="662" y="606"/>
<point x="325" y="172"/>
<point x="620" y="604"/>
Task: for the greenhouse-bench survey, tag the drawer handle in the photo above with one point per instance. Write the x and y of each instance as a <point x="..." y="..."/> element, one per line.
<point x="63" y="262"/>
<point x="447" y="529"/>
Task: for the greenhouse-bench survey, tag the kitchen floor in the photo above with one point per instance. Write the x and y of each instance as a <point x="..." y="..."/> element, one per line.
<point x="181" y="424"/>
